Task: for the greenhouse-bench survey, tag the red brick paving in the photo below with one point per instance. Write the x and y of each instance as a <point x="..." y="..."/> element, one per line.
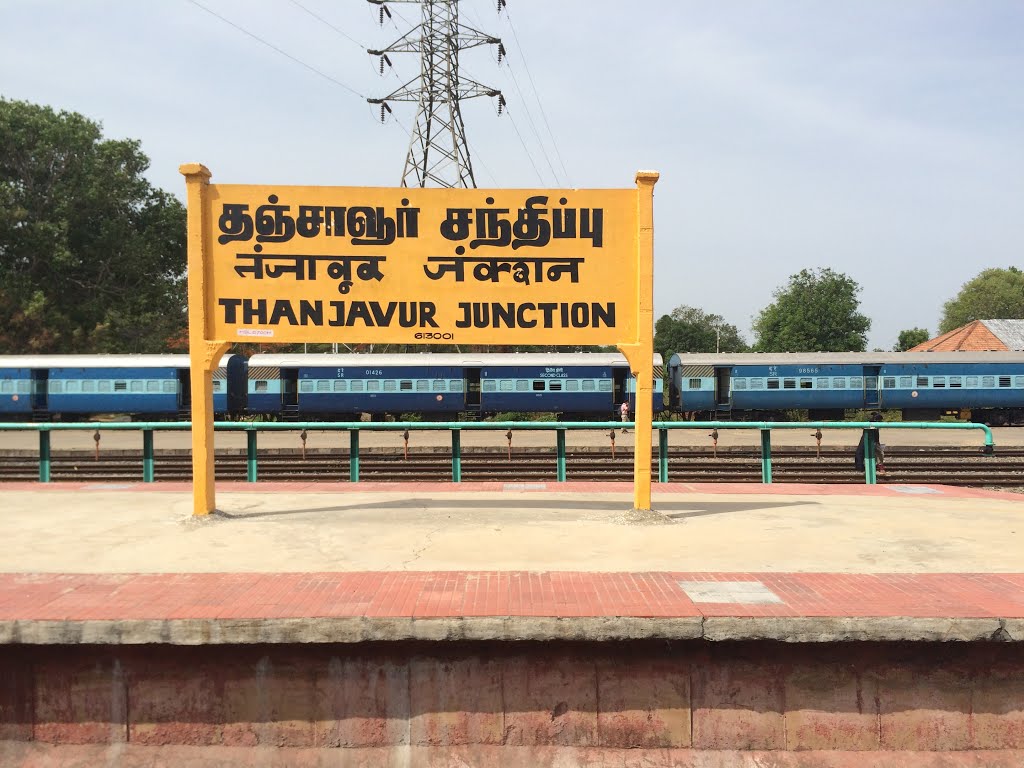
<point x="658" y="489"/>
<point x="85" y="597"/>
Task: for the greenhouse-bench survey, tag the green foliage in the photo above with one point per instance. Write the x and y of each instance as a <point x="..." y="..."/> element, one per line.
<point x="92" y="258"/>
<point x="817" y="311"/>
<point x="910" y="337"/>
<point x="689" y="329"/>
<point x="995" y="294"/>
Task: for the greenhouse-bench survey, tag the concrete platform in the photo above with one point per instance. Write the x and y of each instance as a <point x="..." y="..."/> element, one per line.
<point x="491" y="561"/>
<point x="511" y="624"/>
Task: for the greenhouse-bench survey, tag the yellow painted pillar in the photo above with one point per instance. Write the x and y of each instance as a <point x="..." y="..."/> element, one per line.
<point x="641" y="354"/>
<point x="203" y="354"/>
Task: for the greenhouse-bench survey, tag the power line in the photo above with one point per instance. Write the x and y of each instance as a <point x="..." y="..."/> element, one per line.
<point x="324" y="21"/>
<point x="543" y="114"/>
<point x="270" y="45"/>
<point x="528" y="155"/>
<point x="533" y="125"/>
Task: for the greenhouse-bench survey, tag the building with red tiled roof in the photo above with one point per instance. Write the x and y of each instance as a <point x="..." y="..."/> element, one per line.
<point x="979" y="336"/>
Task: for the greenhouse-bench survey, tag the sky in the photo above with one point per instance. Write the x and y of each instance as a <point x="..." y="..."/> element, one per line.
<point x="881" y="138"/>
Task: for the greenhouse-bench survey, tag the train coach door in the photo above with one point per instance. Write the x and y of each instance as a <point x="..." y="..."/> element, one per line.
<point x="723" y="388"/>
<point x="40" y="390"/>
<point x="472" y="384"/>
<point x="290" y="392"/>
<point x="184" y="392"/>
<point x="871" y="399"/>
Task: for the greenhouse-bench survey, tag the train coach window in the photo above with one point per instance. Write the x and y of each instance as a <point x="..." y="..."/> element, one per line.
<point x="838" y="383"/>
<point x="604" y="385"/>
<point x="757" y="383"/>
<point x="572" y="385"/>
<point x="356" y="385"/>
<point x="104" y="385"/>
<point x="588" y="385"/>
<point x="455" y="385"/>
<point x="955" y="382"/>
<point x="422" y="385"/>
<point x="889" y="382"/>
<point x="88" y="386"/>
<point x="693" y="384"/>
<point x="261" y="386"/>
<point x="939" y="382"/>
<point x="23" y="387"/>
<point x="489" y="385"/>
<point x="70" y="386"/>
<point x="773" y="383"/>
<point x="972" y="381"/>
<point x="906" y="382"/>
<point x="390" y="386"/>
<point x="789" y="383"/>
<point x="373" y="385"/>
<point x="154" y="386"/>
<point x="522" y="385"/>
<point x="506" y="385"/>
<point x="538" y="385"/>
<point x="7" y="386"/>
<point x="806" y="383"/>
<point x="856" y="382"/>
<point x="120" y="386"/>
<point x="988" y="381"/>
<point x="555" y="386"/>
<point x="323" y="385"/>
<point x="922" y="381"/>
<point x="56" y="387"/>
<point x="1004" y="381"/>
<point x="439" y="385"/>
<point x="405" y="385"/>
<point x="739" y="383"/>
<point x="169" y="387"/>
<point x="136" y="386"/>
<point x="340" y="385"/>
<point x="1018" y="381"/>
<point x="306" y="385"/>
<point x="821" y="384"/>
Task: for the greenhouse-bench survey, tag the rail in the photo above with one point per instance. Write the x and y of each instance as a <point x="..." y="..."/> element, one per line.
<point x="456" y="428"/>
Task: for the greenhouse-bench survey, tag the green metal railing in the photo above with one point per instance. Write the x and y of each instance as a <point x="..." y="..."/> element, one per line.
<point x="252" y="429"/>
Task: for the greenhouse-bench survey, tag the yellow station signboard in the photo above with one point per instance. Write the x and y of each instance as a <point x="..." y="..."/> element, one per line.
<point x="287" y="264"/>
<point x="421" y="266"/>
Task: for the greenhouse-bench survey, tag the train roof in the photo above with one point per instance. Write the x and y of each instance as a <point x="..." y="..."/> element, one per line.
<point x="848" y="358"/>
<point x="97" y="361"/>
<point x="448" y="359"/>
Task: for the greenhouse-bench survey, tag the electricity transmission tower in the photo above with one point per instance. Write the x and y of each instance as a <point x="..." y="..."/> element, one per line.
<point x="438" y="153"/>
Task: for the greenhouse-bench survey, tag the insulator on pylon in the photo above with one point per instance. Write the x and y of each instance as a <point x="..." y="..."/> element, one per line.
<point x="501" y="103"/>
<point x="382" y="65"/>
<point x="382" y="112"/>
<point x="501" y="52"/>
<point x="501" y="4"/>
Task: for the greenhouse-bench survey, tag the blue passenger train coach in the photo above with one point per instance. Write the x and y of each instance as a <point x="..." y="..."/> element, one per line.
<point x="441" y="385"/>
<point x="980" y="386"/>
<point x="42" y="387"/>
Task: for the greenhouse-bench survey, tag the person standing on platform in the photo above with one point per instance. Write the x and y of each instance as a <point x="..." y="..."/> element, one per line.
<point x="624" y="414"/>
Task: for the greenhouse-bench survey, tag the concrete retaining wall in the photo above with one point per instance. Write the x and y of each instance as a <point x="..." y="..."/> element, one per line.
<point x="682" y="703"/>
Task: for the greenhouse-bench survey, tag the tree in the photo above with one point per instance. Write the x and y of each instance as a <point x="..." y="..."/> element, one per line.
<point x="909" y="338"/>
<point x="688" y="329"/>
<point x="92" y="257"/>
<point x="995" y="294"/>
<point x="816" y="312"/>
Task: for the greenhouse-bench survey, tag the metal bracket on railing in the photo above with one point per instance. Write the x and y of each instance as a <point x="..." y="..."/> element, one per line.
<point x="302" y="437"/>
<point x="611" y="435"/>
<point x="816" y="434"/>
<point x="96" y="439"/>
<point x="405" y="441"/>
<point x="714" y="442"/>
<point x="508" y="436"/>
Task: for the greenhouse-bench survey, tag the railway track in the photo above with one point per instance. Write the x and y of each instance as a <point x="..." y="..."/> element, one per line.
<point x="948" y="466"/>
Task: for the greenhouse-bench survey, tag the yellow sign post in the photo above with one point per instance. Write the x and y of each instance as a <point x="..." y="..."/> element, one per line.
<point x="282" y="264"/>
